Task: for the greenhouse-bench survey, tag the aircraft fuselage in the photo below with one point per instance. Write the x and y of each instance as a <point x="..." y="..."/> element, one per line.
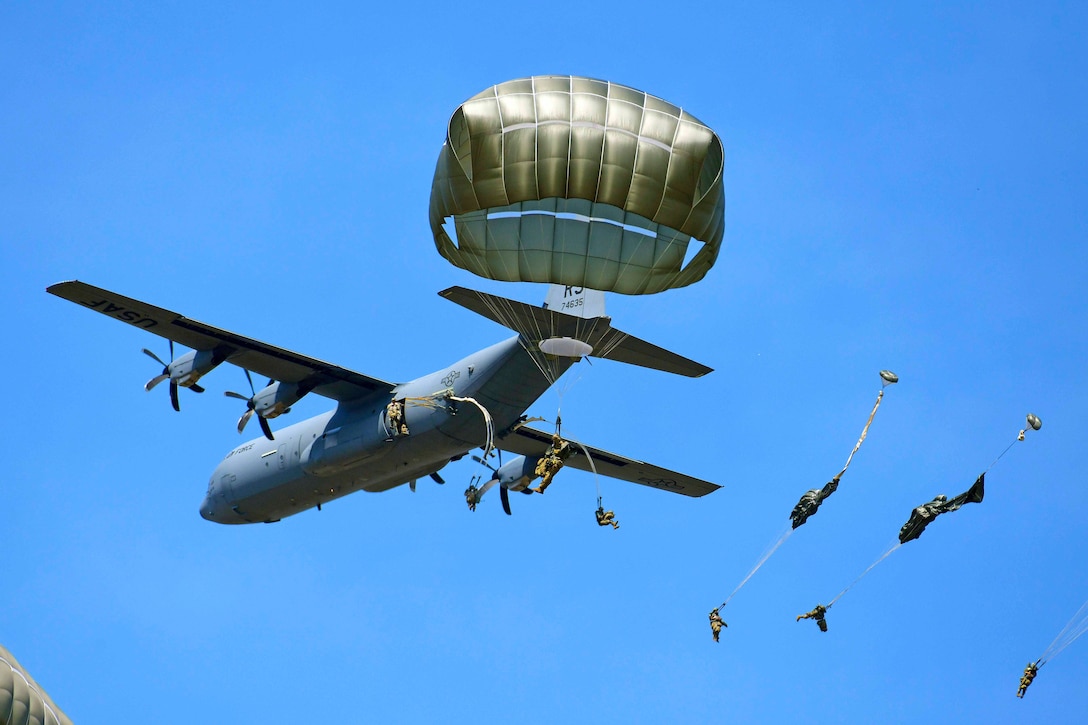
<point x="353" y="448"/>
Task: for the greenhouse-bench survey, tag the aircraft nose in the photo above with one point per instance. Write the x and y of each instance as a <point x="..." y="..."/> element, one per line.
<point x="207" y="510"/>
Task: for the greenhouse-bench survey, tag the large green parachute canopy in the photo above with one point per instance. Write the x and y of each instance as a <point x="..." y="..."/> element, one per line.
<point x="22" y="700"/>
<point x="582" y="182"/>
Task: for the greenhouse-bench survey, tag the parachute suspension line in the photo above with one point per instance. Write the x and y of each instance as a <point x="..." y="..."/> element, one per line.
<point x="528" y="336"/>
<point x="883" y="556"/>
<point x="566" y="387"/>
<point x="1002" y="455"/>
<point x="489" y="424"/>
<point x="887" y="378"/>
<point x="592" y="466"/>
<point x="760" y="562"/>
<point x="611" y="343"/>
<point x="1077" y="626"/>
<point x="1033" y="423"/>
<point x="559" y="413"/>
<point x="864" y="432"/>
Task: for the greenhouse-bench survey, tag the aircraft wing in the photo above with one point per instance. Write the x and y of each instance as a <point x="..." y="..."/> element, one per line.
<point x="528" y="441"/>
<point x="270" y="361"/>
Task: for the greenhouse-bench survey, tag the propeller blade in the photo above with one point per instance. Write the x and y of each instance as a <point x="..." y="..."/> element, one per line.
<point x="412" y="485"/>
<point x="244" y="419"/>
<point x="232" y="394"/>
<point x="174" y="395"/>
<point x="155" y="357"/>
<point x="264" y="427"/>
<point x="482" y="461"/>
<point x="249" y="377"/>
<point x="436" y="478"/>
<point x="505" y="496"/>
<point x="196" y="388"/>
<point x="154" y="381"/>
<point x="487" y="487"/>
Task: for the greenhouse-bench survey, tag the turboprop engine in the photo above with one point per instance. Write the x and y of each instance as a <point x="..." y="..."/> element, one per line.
<point x="517" y="473"/>
<point x="514" y="475"/>
<point x="272" y="401"/>
<point x="184" y="371"/>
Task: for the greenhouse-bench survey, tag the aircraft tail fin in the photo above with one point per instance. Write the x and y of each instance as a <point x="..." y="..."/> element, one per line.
<point x="543" y="323"/>
<point x="575" y="301"/>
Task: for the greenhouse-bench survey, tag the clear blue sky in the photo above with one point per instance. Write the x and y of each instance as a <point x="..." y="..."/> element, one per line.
<point x="905" y="189"/>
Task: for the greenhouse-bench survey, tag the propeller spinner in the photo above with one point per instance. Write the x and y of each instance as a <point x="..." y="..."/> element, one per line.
<point x="251" y="406"/>
<point x="272" y="401"/>
<point x="514" y="470"/>
<point x="171" y="372"/>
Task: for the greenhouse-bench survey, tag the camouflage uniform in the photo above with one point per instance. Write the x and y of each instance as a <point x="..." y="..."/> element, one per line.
<point x="394" y="415"/>
<point x="606" y="518"/>
<point x="1025" y="681"/>
<point x="818" y="614"/>
<point x="552" y="461"/>
<point x="472" y="496"/>
<point x="716" y="623"/>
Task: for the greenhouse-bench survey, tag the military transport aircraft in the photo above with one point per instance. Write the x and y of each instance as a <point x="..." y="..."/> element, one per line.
<point x="382" y="435"/>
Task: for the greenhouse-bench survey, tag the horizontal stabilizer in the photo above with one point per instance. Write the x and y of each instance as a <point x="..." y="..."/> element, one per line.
<point x="542" y="324"/>
<point x="527" y="441"/>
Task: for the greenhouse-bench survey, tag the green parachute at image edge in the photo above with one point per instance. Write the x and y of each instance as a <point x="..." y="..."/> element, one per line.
<point x="22" y="700"/>
<point x="582" y="182"/>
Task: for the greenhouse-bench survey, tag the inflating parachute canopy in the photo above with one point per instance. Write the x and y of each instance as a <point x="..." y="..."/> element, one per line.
<point x="582" y="182"/>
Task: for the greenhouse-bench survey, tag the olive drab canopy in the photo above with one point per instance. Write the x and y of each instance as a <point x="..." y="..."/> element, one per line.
<point x="923" y="516"/>
<point x="575" y="181"/>
<point x="22" y="700"/>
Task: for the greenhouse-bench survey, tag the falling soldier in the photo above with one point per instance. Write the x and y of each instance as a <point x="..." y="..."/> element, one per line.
<point x="716" y="623"/>
<point x="606" y="518"/>
<point x="818" y="614"/>
<point x="1025" y="680"/>
<point x="472" y="496"/>
<point x="552" y="460"/>
<point x="394" y="416"/>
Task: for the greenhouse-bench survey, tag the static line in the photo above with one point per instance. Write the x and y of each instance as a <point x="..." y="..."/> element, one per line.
<point x="883" y="556"/>
<point x="1077" y="626"/>
<point x="762" y="560"/>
